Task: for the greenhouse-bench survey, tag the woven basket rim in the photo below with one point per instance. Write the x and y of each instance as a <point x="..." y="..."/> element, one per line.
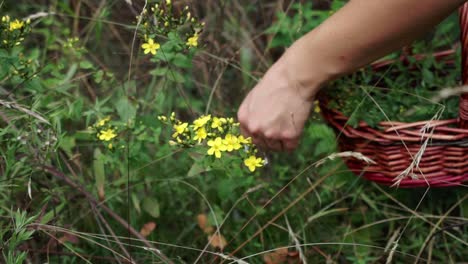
<point x="389" y="131"/>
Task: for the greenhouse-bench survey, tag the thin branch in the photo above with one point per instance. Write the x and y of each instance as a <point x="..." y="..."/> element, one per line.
<point x="116" y="217"/>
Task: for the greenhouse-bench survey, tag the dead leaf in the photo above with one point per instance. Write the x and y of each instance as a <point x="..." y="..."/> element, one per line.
<point x="217" y="241"/>
<point x="278" y="256"/>
<point x="209" y="230"/>
<point x="147" y="229"/>
<point x="101" y="193"/>
<point x="202" y="220"/>
<point x="67" y="237"/>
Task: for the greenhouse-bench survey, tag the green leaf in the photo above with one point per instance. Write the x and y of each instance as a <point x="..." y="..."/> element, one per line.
<point x="182" y="61"/>
<point x="50" y="215"/>
<point x="99" y="173"/>
<point x="136" y="203"/>
<point x="197" y="155"/>
<point x="160" y="71"/>
<point x="175" y="76"/>
<point x="151" y="206"/>
<point x="197" y="169"/>
<point x="67" y="144"/>
<point x="86" y="65"/>
<point x="98" y="76"/>
<point x="126" y="110"/>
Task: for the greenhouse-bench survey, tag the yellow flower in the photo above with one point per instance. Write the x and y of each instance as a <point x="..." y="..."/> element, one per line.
<point x="179" y="129"/>
<point x="193" y="41"/>
<point x="201" y="121"/>
<point x="103" y="121"/>
<point x="317" y="107"/>
<point x="162" y="118"/>
<point x="6" y="18"/>
<point x="200" y="134"/>
<point x="253" y="162"/>
<point x="107" y="135"/>
<point x="216" y="147"/>
<point x="16" y="25"/>
<point x="110" y="146"/>
<point x="244" y="140"/>
<point x="231" y="142"/>
<point x="218" y="123"/>
<point x="150" y="47"/>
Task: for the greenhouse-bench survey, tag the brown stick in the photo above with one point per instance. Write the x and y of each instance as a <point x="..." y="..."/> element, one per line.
<point x="124" y="250"/>
<point x="116" y="217"/>
<point x="46" y="251"/>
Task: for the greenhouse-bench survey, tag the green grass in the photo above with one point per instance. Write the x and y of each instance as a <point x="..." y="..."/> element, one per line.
<point x="58" y="181"/>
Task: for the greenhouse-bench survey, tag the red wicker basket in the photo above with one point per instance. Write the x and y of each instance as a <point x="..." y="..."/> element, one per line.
<point x="426" y="153"/>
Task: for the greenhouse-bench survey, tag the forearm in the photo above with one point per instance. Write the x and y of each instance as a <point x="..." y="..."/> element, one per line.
<point x="359" y="33"/>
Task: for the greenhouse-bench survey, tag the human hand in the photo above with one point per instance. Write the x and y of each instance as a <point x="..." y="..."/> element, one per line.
<point x="273" y="114"/>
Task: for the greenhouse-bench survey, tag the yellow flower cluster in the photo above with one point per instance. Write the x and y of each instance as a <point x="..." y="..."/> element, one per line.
<point x="12" y="31"/>
<point x="16" y="24"/>
<point x="104" y="131"/>
<point x="161" y="20"/>
<point x="73" y="44"/>
<point x="193" y="41"/>
<point x="219" y="135"/>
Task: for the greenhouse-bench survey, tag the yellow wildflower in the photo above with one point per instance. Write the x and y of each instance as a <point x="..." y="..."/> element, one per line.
<point x="200" y="134"/>
<point x="218" y="123"/>
<point x="16" y="25"/>
<point x="201" y="121"/>
<point x="150" y="47"/>
<point x="231" y="142"/>
<point x="179" y="129"/>
<point x="317" y="107"/>
<point x="216" y="147"/>
<point x="253" y="162"/>
<point x="193" y="41"/>
<point x="6" y="18"/>
<point x="103" y="121"/>
<point x="162" y="118"/>
<point x="107" y="135"/>
<point x="244" y="140"/>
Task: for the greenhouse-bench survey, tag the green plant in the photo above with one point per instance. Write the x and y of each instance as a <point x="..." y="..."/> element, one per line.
<point x="14" y="235"/>
<point x="84" y="157"/>
<point x="303" y="18"/>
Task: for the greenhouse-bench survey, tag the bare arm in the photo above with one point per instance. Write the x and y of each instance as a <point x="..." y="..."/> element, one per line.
<point x="275" y="111"/>
<point x="363" y="31"/>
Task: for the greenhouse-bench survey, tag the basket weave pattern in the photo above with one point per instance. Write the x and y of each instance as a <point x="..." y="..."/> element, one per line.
<point x="425" y="153"/>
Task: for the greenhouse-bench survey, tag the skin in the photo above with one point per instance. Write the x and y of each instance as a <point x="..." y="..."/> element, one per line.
<point x="275" y="110"/>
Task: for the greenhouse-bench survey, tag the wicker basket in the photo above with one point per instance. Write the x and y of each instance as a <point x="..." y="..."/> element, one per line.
<point x="420" y="154"/>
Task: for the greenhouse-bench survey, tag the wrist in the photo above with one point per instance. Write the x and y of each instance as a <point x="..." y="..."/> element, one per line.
<point x="307" y="67"/>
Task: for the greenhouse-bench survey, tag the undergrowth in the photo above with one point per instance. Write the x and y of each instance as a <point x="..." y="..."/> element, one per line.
<point x="87" y="174"/>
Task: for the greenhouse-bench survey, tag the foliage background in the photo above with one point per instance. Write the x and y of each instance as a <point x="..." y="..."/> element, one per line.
<point x="67" y="198"/>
